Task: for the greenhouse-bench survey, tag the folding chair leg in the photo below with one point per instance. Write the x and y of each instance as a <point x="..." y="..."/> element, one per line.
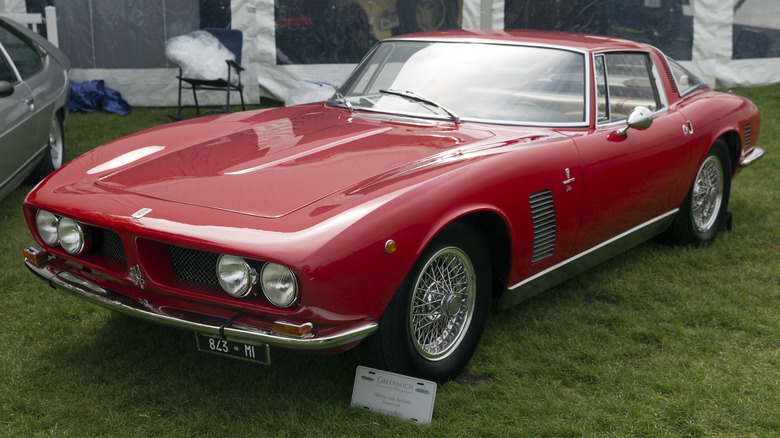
<point x="178" y="113"/>
<point x="195" y="96"/>
<point x="178" y="108"/>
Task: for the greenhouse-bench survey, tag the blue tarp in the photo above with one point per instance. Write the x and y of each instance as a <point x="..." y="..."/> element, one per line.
<point x="94" y="95"/>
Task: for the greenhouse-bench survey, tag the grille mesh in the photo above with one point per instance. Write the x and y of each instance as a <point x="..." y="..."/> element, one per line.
<point x="195" y="266"/>
<point x="109" y="245"/>
<point x="543" y="218"/>
<point x="112" y="246"/>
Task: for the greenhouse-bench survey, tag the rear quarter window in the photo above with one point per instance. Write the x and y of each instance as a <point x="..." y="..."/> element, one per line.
<point x="686" y="81"/>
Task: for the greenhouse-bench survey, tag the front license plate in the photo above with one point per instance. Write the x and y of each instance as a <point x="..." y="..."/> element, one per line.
<point x="239" y="350"/>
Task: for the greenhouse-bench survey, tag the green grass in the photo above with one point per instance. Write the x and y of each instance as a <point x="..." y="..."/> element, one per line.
<point x="662" y="341"/>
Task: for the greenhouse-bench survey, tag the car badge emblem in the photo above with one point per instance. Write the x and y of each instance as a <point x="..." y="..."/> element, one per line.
<point x="568" y="180"/>
<point x="137" y="276"/>
<point x="141" y="213"/>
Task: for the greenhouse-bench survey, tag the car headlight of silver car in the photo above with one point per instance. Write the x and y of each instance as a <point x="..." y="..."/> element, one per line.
<point x="235" y="275"/>
<point x="74" y="238"/>
<point x="46" y="223"/>
<point x="279" y="284"/>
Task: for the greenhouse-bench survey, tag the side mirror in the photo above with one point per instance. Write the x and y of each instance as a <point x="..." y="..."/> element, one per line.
<point x="640" y="118"/>
<point x="6" y="89"/>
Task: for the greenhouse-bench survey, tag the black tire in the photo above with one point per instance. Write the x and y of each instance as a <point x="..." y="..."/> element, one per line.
<point x="412" y="338"/>
<point x="54" y="157"/>
<point x="704" y="211"/>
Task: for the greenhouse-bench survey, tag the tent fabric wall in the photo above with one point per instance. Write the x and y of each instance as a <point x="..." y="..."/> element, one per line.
<point x="149" y="80"/>
<point x="713" y="48"/>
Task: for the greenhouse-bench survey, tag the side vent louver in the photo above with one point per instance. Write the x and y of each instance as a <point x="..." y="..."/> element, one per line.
<point x="747" y="135"/>
<point x="543" y="218"/>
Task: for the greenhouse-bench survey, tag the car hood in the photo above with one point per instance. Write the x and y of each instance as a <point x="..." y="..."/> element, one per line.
<point x="276" y="166"/>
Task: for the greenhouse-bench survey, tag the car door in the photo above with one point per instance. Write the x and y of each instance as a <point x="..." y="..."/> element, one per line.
<point x="19" y="133"/>
<point x="636" y="177"/>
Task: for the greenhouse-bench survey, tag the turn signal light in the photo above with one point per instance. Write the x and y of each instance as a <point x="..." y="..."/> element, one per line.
<point x="36" y="256"/>
<point x="295" y="330"/>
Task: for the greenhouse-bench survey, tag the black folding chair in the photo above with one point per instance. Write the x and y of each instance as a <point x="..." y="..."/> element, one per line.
<point x="233" y="40"/>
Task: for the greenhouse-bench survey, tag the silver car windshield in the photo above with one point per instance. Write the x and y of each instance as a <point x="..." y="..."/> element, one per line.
<point x="470" y="81"/>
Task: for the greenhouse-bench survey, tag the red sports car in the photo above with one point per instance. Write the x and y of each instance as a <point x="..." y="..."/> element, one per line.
<point x="450" y="170"/>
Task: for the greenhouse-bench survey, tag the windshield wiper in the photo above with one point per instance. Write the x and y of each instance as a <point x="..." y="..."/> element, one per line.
<point x="414" y="96"/>
<point x="341" y="98"/>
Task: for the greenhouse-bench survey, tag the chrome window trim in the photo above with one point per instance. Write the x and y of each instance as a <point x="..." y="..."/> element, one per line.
<point x="11" y="64"/>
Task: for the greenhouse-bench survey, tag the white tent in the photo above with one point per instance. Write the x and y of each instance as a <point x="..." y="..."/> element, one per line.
<point x="728" y="43"/>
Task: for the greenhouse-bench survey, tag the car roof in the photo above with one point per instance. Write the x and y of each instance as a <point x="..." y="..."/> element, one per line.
<point x="579" y="41"/>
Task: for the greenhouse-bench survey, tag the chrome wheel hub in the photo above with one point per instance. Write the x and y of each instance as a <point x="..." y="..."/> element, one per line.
<point x="442" y="303"/>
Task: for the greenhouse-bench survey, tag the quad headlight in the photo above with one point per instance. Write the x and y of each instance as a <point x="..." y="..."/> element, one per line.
<point x="238" y="278"/>
<point x="73" y="237"/>
<point x="279" y="284"/>
<point x="235" y="275"/>
<point x="47" y="227"/>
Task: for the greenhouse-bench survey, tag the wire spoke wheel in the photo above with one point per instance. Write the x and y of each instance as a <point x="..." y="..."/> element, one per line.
<point x="707" y="194"/>
<point x="442" y="305"/>
<point x="432" y="326"/>
<point x="703" y="212"/>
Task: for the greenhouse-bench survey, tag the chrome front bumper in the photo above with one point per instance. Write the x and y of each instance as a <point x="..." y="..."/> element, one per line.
<point x="751" y="157"/>
<point x="224" y="328"/>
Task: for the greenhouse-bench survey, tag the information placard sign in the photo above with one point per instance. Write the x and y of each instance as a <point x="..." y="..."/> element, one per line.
<point x="393" y="394"/>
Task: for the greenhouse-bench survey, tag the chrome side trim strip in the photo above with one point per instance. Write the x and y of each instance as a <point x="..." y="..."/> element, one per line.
<point x="751" y="157"/>
<point x="205" y="324"/>
<point x="583" y="261"/>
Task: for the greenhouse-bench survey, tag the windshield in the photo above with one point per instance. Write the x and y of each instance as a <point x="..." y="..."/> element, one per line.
<point x="469" y="81"/>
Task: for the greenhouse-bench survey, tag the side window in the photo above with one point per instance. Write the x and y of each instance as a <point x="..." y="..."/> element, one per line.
<point x="631" y="81"/>
<point x="24" y="55"/>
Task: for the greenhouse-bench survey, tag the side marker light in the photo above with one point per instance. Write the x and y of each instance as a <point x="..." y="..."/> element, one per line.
<point x="36" y="256"/>
<point x="295" y="330"/>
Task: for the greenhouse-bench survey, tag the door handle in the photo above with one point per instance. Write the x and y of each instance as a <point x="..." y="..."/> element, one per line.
<point x="30" y="101"/>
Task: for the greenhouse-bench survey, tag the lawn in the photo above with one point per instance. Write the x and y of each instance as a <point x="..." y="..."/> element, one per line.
<point x="662" y="341"/>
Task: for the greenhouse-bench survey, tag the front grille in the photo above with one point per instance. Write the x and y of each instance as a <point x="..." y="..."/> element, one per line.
<point x="112" y="246"/>
<point x="194" y="266"/>
<point x="109" y="249"/>
<point x="543" y="218"/>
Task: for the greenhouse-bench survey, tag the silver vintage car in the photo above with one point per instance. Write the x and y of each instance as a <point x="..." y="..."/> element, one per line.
<point x="33" y="105"/>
